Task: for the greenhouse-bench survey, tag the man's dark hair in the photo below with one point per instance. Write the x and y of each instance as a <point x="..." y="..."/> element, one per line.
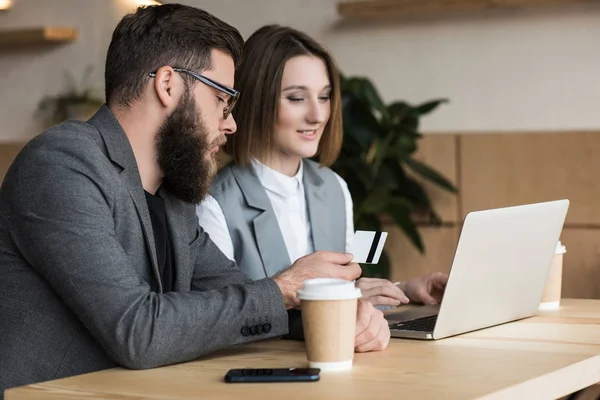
<point x="156" y="36"/>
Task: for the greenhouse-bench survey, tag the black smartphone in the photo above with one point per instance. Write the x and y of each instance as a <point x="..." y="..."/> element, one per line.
<point x="248" y="375"/>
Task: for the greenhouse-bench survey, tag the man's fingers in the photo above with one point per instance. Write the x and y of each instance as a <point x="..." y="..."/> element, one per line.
<point x="334" y="257"/>
<point x="380" y="340"/>
<point x="347" y="272"/>
<point x="370" y="331"/>
<point x="353" y="270"/>
<point x="367" y="335"/>
<point x="363" y="318"/>
<point x="362" y="323"/>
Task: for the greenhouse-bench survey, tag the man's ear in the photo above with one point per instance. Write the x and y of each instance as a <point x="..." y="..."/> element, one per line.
<point x="168" y="86"/>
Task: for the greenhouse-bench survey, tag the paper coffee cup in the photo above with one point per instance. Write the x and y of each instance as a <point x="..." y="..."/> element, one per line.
<point x="329" y="319"/>
<point x="553" y="288"/>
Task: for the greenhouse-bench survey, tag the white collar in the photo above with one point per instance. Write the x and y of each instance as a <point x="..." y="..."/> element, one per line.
<point x="275" y="181"/>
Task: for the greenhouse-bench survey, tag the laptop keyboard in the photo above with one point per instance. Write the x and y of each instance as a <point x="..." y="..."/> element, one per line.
<point x="425" y="324"/>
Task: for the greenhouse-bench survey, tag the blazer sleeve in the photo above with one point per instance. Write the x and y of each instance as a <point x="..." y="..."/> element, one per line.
<point x="61" y="204"/>
<point x="214" y="270"/>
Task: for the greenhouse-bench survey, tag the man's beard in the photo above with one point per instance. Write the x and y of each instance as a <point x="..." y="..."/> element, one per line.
<point x="183" y="153"/>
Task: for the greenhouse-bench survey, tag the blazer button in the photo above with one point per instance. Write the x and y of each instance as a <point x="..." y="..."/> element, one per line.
<point x="259" y="329"/>
<point x="267" y="327"/>
<point x="253" y="330"/>
<point x="245" y="330"/>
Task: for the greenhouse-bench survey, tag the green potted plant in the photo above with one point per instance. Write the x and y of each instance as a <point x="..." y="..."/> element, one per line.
<point x="78" y="101"/>
<point x="376" y="157"/>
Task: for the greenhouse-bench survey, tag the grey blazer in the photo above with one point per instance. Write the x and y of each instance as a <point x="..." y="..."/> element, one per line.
<point x="79" y="285"/>
<point x="259" y="248"/>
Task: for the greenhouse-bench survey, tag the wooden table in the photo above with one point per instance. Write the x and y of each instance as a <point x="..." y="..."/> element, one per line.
<point x="545" y="357"/>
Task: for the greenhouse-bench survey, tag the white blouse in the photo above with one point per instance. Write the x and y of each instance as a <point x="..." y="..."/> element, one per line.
<point x="286" y="194"/>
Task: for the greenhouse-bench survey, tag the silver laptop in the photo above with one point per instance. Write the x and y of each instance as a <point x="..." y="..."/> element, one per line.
<point x="498" y="274"/>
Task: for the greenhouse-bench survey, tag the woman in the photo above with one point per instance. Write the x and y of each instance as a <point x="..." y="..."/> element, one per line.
<point x="272" y="205"/>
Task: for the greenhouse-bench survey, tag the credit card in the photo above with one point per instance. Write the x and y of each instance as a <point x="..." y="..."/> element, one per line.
<point x="367" y="246"/>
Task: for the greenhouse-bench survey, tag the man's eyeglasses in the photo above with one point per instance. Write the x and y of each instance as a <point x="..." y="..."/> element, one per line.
<point x="232" y="93"/>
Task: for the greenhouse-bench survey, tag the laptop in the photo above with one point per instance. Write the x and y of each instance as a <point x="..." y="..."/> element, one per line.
<point x="498" y="274"/>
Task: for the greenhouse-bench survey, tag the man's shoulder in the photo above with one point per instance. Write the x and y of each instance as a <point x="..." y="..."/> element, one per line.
<point x="67" y="138"/>
<point x="70" y="147"/>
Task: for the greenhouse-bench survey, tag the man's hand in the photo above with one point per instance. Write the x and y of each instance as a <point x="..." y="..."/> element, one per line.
<point x="381" y="292"/>
<point x="372" y="330"/>
<point x="426" y="289"/>
<point x="321" y="264"/>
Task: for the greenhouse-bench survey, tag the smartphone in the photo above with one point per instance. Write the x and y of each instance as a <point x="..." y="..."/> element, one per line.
<point x="247" y="375"/>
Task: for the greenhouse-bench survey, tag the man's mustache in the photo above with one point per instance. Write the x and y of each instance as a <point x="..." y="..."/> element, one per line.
<point x="220" y="141"/>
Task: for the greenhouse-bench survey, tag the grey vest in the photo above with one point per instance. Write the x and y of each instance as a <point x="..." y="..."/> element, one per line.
<point x="259" y="248"/>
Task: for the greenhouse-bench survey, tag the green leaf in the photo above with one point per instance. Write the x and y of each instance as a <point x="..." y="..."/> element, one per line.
<point x="404" y="117"/>
<point x="429" y="106"/>
<point x="430" y="174"/>
<point x="359" y="123"/>
<point x="358" y="181"/>
<point x="398" y="110"/>
<point x="385" y="179"/>
<point x="402" y="202"/>
<point x="382" y="151"/>
<point x="364" y="89"/>
<point x="376" y="202"/>
<point x="367" y="222"/>
<point x="401" y="215"/>
<point x="402" y="147"/>
<point x="410" y="123"/>
<point x="414" y="192"/>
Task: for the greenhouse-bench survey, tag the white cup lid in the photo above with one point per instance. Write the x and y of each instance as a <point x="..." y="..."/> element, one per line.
<point x="328" y="289"/>
<point x="560" y="249"/>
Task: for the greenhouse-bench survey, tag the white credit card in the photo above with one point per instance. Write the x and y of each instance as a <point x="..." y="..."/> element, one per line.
<point x="367" y="246"/>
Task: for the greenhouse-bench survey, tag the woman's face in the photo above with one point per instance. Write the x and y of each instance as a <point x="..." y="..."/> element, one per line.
<point x="304" y="107"/>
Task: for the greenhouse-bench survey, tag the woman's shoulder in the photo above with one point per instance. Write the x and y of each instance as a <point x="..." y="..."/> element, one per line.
<point x="223" y="174"/>
<point x="229" y="176"/>
<point x="324" y="171"/>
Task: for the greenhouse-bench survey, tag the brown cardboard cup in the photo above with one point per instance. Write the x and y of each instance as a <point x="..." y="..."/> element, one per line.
<point x="329" y="319"/>
<point x="553" y="288"/>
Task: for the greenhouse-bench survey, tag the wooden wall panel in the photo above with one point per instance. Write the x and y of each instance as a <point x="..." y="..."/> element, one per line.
<point x="500" y="170"/>
<point x="407" y="262"/>
<point x="8" y="152"/>
<point x="440" y="153"/>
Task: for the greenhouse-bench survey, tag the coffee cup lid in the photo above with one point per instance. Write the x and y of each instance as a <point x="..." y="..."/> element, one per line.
<point x="328" y="289"/>
<point x="560" y="248"/>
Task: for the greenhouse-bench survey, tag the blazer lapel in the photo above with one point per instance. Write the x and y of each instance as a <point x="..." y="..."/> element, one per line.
<point x="120" y="152"/>
<point x="316" y="201"/>
<point x="267" y="233"/>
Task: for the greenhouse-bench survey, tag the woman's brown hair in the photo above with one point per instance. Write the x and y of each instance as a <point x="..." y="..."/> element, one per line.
<point x="258" y="78"/>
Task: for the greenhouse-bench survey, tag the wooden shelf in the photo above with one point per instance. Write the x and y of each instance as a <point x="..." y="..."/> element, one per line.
<point x="29" y="37"/>
<point x="364" y="9"/>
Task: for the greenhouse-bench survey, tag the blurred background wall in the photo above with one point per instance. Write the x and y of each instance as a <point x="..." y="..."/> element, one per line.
<point x="506" y="71"/>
